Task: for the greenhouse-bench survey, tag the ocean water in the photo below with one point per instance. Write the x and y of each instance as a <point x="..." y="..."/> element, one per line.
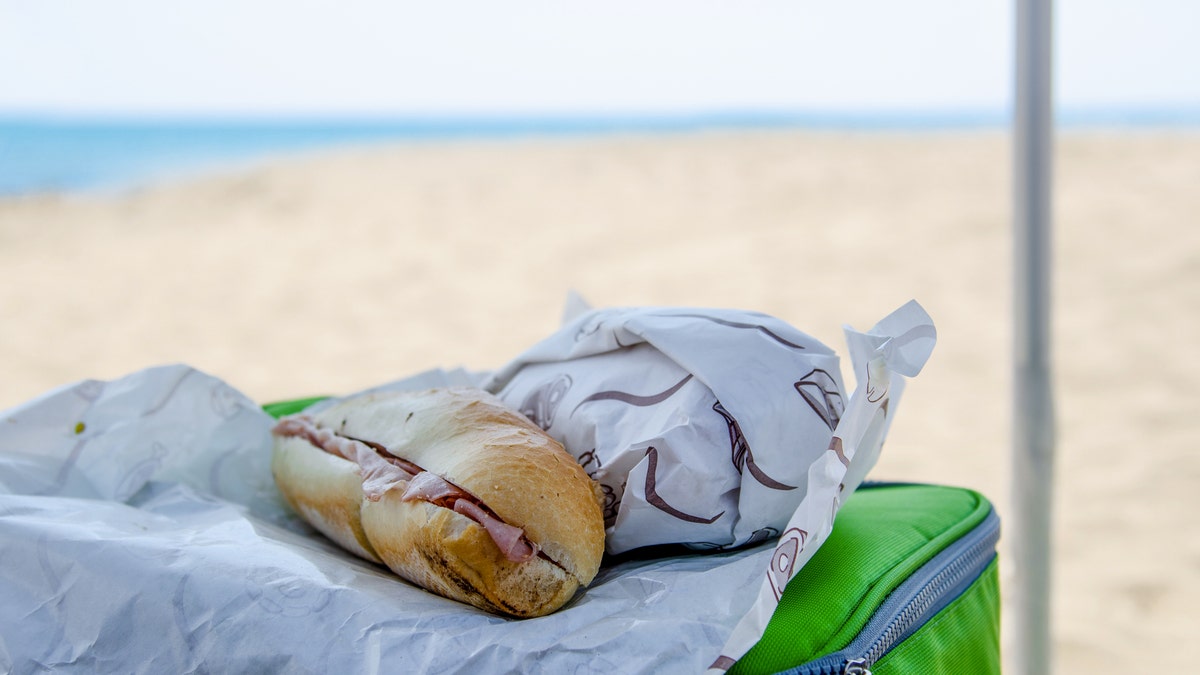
<point x="88" y="154"/>
<point x="56" y="154"/>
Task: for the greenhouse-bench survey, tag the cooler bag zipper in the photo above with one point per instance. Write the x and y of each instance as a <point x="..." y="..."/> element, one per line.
<point x="928" y="591"/>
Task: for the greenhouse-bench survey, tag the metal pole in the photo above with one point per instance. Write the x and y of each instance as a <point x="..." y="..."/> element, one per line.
<point x="1033" y="423"/>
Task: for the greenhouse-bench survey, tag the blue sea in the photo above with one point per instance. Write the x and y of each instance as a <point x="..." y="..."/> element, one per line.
<point x="70" y="154"/>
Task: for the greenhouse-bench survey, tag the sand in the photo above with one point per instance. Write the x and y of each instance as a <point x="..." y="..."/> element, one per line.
<point x="335" y="271"/>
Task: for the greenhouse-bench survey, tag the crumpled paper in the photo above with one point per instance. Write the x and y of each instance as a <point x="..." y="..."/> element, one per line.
<point x="698" y="424"/>
<point x="717" y="428"/>
<point x="140" y="531"/>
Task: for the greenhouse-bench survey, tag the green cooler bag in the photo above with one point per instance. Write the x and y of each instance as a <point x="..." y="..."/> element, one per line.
<point x="906" y="583"/>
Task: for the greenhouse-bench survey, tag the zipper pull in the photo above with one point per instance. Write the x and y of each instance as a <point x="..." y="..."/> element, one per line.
<point x="856" y="667"/>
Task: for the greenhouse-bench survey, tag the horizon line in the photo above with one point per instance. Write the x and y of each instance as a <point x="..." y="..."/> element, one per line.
<point x="650" y="120"/>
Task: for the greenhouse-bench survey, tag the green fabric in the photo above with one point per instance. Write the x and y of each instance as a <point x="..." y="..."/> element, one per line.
<point x="963" y="638"/>
<point x="881" y="536"/>
<point x="281" y="408"/>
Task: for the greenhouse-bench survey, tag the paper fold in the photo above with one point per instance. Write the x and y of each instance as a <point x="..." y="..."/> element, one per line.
<point x="897" y="346"/>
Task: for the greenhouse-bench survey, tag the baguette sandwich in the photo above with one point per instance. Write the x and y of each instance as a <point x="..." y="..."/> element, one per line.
<point x="451" y="490"/>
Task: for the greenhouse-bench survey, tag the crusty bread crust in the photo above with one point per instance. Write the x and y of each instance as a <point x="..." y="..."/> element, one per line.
<point x="471" y="439"/>
<point x="450" y="554"/>
<point x="325" y="490"/>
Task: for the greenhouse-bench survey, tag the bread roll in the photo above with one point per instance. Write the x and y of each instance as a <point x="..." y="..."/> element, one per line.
<point x="511" y="524"/>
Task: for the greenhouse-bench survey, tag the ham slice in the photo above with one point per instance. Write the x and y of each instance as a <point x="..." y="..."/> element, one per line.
<point x="381" y="471"/>
<point x="432" y="488"/>
<point x="511" y="540"/>
<point x="378" y="473"/>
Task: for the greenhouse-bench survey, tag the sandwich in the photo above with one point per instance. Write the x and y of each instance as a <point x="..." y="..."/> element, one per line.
<point x="451" y="490"/>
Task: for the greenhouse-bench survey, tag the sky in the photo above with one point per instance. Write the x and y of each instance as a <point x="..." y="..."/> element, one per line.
<point x="353" y="57"/>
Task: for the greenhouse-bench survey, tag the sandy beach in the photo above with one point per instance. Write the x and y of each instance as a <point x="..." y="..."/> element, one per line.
<point x="335" y="271"/>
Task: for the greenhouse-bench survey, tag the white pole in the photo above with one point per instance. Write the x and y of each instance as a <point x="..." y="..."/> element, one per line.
<point x="1033" y="423"/>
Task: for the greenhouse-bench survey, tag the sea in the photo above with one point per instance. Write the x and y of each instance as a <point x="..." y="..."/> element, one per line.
<point x="48" y="153"/>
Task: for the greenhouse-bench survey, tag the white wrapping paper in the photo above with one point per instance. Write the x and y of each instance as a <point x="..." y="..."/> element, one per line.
<point x="717" y="428"/>
<point x="698" y="424"/>
<point x="140" y="531"/>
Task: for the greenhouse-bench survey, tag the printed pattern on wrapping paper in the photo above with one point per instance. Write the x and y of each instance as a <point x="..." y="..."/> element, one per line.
<point x="820" y="391"/>
<point x="783" y="560"/>
<point x="541" y="404"/>
<point x="742" y="457"/>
